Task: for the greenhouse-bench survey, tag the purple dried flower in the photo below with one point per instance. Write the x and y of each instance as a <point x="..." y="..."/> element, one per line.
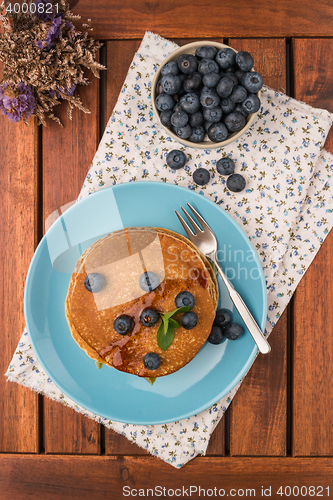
<point x="64" y="90"/>
<point x="52" y="34"/>
<point x="16" y="103"/>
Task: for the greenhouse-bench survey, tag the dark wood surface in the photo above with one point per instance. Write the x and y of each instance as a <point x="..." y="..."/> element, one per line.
<point x="278" y="431"/>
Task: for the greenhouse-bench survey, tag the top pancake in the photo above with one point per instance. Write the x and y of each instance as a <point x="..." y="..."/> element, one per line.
<point x="122" y="257"/>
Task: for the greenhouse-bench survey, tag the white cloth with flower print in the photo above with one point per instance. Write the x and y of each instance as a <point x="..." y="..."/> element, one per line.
<point x="286" y="210"/>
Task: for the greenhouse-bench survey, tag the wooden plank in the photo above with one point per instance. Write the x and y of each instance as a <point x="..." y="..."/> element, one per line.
<point x="259" y="411"/>
<point x="112" y="19"/>
<point x="67" y="154"/>
<point x="313" y="313"/>
<point x="18" y="163"/>
<point x="81" y="478"/>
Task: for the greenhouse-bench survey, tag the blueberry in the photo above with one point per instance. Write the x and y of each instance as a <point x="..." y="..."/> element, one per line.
<point x="225" y="166"/>
<point x="164" y="102"/>
<point x="192" y="82"/>
<point x="222" y="318"/>
<point x="179" y="119"/>
<point x="239" y="109"/>
<point x="190" y="103"/>
<point x="170" y="68"/>
<point x="217" y="132"/>
<point x="212" y="115"/>
<point x="210" y="80"/>
<point x="201" y="176"/>
<point x="252" y="82"/>
<point x="233" y="331"/>
<point x="176" y="159"/>
<point x="198" y="134"/>
<point x="226" y="105"/>
<point x="251" y="104"/>
<point x="171" y="84"/>
<point x="123" y="324"/>
<point x="244" y="60"/>
<point x="94" y="282"/>
<point x="239" y="73"/>
<point x="149" y="317"/>
<point x="236" y="183"/>
<point x="196" y="119"/>
<point x="185" y="298"/>
<point x="148" y="281"/>
<point x="235" y="121"/>
<point x="207" y="66"/>
<point x="177" y="108"/>
<point x="238" y="94"/>
<point x="209" y="99"/>
<point x="225" y="86"/>
<point x="183" y="132"/>
<point x="159" y="89"/>
<point x="207" y="125"/>
<point x="225" y="57"/>
<point x="165" y="117"/>
<point x="189" y="320"/>
<point x="187" y="63"/>
<point x="206" y="52"/>
<point x="233" y="77"/>
<point x="216" y="335"/>
<point x="151" y="360"/>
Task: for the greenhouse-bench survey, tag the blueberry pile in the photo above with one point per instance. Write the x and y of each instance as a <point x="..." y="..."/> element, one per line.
<point x="224" y="328"/>
<point x="211" y="92"/>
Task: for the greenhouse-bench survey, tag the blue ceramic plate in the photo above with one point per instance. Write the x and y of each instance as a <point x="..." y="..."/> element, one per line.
<point x="110" y="393"/>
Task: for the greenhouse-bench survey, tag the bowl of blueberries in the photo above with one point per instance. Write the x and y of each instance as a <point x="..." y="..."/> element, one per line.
<point x="206" y="94"/>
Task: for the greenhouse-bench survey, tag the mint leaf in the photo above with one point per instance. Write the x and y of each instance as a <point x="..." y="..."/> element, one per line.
<point x="166" y="329"/>
<point x="176" y="311"/>
<point x="151" y="380"/>
<point x="165" y="322"/>
<point x="173" y="323"/>
<point x="164" y="340"/>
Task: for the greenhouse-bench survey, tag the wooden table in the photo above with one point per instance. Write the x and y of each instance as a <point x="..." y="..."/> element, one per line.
<point x="278" y="430"/>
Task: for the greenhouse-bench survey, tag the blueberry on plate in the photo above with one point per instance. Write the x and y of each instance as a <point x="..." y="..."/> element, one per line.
<point x="171" y="84"/>
<point x="251" y="104"/>
<point x="198" y="134"/>
<point x="123" y="324"/>
<point x="206" y="52"/>
<point x="207" y="66"/>
<point x="192" y="82"/>
<point x="183" y="132"/>
<point x="201" y="176"/>
<point x="225" y="58"/>
<point x="164" y="102"/>
<point x="209" y="99"/>
<point x="149" y="317"/>
<point x="236" y="183"/>
<point x="225" y="166"/>
<point x="190" y="103"/>
<point x="179" y="119"/>
<point x="176" y="159"/>
<point x="235" y="121"/>
<point x="196" y="119"/>
<point x="210" y="80"/>
<point x="238" y="94"/>
<point x="148" y="281"/>
<point x="170" y="68"/>
<point x="225" y="86"/>
<point x="226" y="105"/>
<point x="217" y="132"/>
<point x="189" y="320"/>
<point x="185" y="298"/>
<point x="165" y="117"/>
<point x="151" y="360"/>
<point x="213" y="115"/>
<point x="222" y="318"/>
<point x="252" y="82"/>
<point x="244" y="60"/>
<point x="187" y="63"/>
<point x="216" y="335"/>
<point x="233" y="331"/>
<point x="94" y="282"/>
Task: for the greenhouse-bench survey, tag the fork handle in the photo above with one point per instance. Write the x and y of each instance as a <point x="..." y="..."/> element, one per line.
<point x="245" y="314"/>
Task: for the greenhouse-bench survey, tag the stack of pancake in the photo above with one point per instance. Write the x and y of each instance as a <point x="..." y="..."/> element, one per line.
<point x="121" y="258"/>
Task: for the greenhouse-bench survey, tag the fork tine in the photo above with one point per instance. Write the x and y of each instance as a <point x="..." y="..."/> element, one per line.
<point x="198" y="216"/>
<point x="186" y="227"/>
<point x="192" y="221"/>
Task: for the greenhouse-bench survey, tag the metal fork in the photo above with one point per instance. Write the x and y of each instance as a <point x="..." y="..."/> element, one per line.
<point x="205" y="241"/>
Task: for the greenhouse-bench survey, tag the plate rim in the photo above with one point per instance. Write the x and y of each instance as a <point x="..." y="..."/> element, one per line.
<point x="222" y="394"/>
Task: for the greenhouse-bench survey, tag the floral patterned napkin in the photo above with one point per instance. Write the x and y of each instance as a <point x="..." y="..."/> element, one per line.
<point x="286" y="210"/>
